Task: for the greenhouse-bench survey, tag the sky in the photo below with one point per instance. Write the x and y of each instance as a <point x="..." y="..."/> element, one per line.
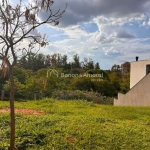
<point x="108" y="31"/>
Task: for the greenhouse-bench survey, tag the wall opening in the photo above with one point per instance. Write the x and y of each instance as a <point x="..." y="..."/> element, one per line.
<point x="147" y="69"/>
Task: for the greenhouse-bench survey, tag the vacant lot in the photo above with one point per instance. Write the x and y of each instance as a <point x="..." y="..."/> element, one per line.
<point x="76" y="125"/>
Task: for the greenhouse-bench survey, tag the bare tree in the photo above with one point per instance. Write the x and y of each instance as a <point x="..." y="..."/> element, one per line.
<point x="18" y="24"/>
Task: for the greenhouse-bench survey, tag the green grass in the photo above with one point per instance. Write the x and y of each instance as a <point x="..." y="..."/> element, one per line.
<point x="77" y="125"/>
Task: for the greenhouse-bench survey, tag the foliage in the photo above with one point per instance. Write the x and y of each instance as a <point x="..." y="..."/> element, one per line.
<point x="34" y="61"/>
<point x="85" y="95"/>
<point x="81" y="84"/>
<point x="31" y="81"/>
<point x="125" y="83"/>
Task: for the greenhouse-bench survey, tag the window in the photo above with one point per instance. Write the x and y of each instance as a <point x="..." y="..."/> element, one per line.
<point x="147" y="69"/>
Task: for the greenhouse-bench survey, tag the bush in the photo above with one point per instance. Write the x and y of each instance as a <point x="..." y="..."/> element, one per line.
<point x="78" y="95"/>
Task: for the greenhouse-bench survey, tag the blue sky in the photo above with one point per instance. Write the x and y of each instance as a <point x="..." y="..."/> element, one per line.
<point x="108" y="31"/>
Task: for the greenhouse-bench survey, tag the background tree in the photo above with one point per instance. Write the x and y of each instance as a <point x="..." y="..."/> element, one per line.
<point x="17" y="24"/>
<point x="32" y="61"/>
<point x="97" y="67"/>
<point x="125" y="83"/>
<point x="115" y="68"/>
<point x="76" y="61"/>
<point x="125" y="68"/>
<point x="88" y="63"/>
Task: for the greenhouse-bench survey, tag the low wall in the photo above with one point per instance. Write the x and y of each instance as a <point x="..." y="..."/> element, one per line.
<point x="139" y="95"/>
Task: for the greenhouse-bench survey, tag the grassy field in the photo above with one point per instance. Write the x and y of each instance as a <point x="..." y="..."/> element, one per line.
<point x="77" y="125"/>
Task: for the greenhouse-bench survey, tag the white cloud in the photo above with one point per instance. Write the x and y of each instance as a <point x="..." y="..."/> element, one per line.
<point x="111" y="51"/>
<point x="148" y="23"/>
<point x="144" y="23"/>
<point x="83" y="10"/>
<point x="113" y="42"/>
<point x="75" y="32"/>
<point x="94" y="48"/>
<point x="122" y="33"/>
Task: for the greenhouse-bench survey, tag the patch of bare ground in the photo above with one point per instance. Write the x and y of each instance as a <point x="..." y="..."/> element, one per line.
<point x="23" y="111"/>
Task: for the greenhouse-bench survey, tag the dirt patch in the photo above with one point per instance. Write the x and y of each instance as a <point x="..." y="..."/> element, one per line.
<point x="23" y="111"/>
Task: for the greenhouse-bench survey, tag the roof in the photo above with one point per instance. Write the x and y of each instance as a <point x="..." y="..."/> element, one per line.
<point x="140" y="61"/>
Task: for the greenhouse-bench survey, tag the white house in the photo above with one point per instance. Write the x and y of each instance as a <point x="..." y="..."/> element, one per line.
<point x="139" y="93"/>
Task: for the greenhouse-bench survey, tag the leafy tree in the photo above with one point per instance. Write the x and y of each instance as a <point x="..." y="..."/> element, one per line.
<point x="19" y="73"/>
<point x="16" y="25"/>
<point x="64" y="61"/>
<point x="97" y="67"/>
<point x="115" y="68"/>
<point x="83" y="83"/>
<point x="32" y="61"/>
<point x="125" y="83"/>
<point x="20" y="88"/>
<point x="22" y="62"/>
<point x="76" y="61"/>
<point x="105" y="88"/>
<point x="47" y="61"/>
<point x="88" y="63"/>
<point x="2" y="80"/>
<point x="125" y="68"/>
<point x="53" y="60"/>
<point x="59" y="60"/>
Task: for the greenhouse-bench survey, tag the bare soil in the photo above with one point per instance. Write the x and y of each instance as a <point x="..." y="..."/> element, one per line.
<point x="23" y="111"/>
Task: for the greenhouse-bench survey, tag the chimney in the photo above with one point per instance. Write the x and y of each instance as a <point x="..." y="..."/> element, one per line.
<point x="136" y="58"/>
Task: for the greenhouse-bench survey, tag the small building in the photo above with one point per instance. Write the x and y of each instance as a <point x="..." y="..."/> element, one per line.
<point x="139" y="93"/>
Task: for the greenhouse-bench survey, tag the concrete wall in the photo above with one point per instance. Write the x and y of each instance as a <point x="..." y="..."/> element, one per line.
<point x="139" y="95"/>
<point x="137" y="71"/>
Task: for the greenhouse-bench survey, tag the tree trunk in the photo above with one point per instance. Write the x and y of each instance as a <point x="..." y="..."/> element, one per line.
<point x="2" y="95"/>
<point x="35" y="96"/>
<point x="12" y="111"/>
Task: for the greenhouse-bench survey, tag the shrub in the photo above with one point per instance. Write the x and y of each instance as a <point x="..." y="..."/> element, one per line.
<point x="77" y="95"/>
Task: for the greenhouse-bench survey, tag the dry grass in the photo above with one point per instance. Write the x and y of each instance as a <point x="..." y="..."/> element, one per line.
<point x="23" y="111"/>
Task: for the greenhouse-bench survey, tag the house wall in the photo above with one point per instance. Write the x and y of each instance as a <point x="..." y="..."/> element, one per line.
<point x="138" y="71"/>
<point x="139" y="95"/>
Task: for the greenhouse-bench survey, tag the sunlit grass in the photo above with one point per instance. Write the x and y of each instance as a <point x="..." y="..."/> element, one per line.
<point x="77" y="125"/>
